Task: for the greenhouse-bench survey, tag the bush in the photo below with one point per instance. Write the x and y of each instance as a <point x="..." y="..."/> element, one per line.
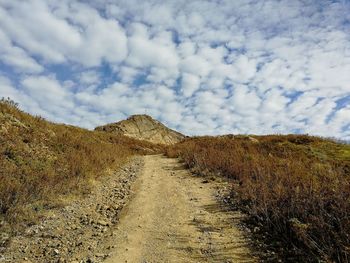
<point x="297" y="187"/>
<point x="42" y="162"/>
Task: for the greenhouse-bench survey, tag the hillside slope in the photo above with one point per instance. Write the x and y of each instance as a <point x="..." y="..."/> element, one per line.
<point x="295" y="189"/>
<point x="43" y="163"/>
<point x="144" y="127"/>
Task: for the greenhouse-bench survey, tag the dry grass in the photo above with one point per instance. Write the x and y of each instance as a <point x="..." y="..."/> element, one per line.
<point x="296" y="188"/>
<point x="42" y="162"/>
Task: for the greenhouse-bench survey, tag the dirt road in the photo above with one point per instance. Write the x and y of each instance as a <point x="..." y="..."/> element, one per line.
<point x="175" y="217"/>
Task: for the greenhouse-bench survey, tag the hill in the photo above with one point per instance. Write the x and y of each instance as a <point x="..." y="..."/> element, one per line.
<point x="43" y="162"/>
<point x="144" y="127"/>
<point x="295" y="189"/>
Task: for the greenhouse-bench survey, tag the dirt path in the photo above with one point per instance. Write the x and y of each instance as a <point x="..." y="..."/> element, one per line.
<point x="174" y="217"/>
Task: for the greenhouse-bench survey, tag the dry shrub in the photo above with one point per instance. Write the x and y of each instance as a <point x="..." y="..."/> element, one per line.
<point x="296" y="187"/>
<point x="42" y="162"/>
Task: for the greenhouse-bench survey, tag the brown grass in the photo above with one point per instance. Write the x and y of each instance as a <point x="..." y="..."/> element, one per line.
<point x="42" y="162"/>
<point x="296" y="188"/>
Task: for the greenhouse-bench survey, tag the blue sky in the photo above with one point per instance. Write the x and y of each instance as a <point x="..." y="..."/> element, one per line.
<point x="202" y="67"/>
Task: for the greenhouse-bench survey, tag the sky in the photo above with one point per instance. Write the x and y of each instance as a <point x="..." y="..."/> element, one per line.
<point x="201" y="67"/>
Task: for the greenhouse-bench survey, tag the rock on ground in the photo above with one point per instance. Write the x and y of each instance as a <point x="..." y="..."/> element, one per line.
<point x="79" y="231"/>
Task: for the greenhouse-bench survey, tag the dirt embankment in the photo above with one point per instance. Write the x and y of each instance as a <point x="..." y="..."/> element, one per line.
<point x="80" y="231"/>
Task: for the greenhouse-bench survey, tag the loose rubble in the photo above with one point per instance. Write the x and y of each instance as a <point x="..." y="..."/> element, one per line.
<point x="79" y="232"/>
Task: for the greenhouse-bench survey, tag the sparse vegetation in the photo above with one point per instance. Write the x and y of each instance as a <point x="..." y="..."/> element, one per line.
<point x="42" y="162"/>
<point x="296" y="188"/>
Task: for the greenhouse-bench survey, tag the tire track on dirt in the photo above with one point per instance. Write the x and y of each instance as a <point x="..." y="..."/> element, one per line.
<point x="175" y="217"/>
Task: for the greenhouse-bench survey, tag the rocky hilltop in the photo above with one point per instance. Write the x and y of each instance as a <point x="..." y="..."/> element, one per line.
<point x="144" y="127"/>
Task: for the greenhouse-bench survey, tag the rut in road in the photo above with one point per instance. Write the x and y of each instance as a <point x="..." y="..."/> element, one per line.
<point x="175" y="217"/>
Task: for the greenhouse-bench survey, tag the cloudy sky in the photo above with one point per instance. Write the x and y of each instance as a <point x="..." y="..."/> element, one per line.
<point x="202" y="67"/>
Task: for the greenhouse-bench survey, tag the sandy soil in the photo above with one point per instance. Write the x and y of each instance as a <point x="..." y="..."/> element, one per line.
<point x="175" y="217"/>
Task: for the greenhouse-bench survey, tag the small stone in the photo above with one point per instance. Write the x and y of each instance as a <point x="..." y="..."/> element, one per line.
<point x="102" y="223"/>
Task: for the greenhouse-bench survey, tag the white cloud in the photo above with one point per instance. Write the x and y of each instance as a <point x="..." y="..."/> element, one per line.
<point x="146" y="52"/>
<point x="57" y="32"/>
<point x="245" y="68"/>
<point x="49" y="96"/>
<point x="40" y="32"/>
<point x="89" y="77"/>
<point x="17" y="57"/>
<point x="200" y="66"/>
<point x="274" y="102"/>
<point x="104" y="40"/>
<point x="196" y="65"/>
<point x="163" y="75"/>
<point x="245" y="101"/>
<point x="189" y="84"/>
<point x="8" y="90"/>
<point x="187" y="48"/>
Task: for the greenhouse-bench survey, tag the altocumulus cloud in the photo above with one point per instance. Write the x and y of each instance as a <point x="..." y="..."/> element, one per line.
<point x="203" y="67"/>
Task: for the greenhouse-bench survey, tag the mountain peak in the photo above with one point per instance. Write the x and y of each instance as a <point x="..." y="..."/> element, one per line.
<point x="138" y="117"/>
<point x="144" y="127"/>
